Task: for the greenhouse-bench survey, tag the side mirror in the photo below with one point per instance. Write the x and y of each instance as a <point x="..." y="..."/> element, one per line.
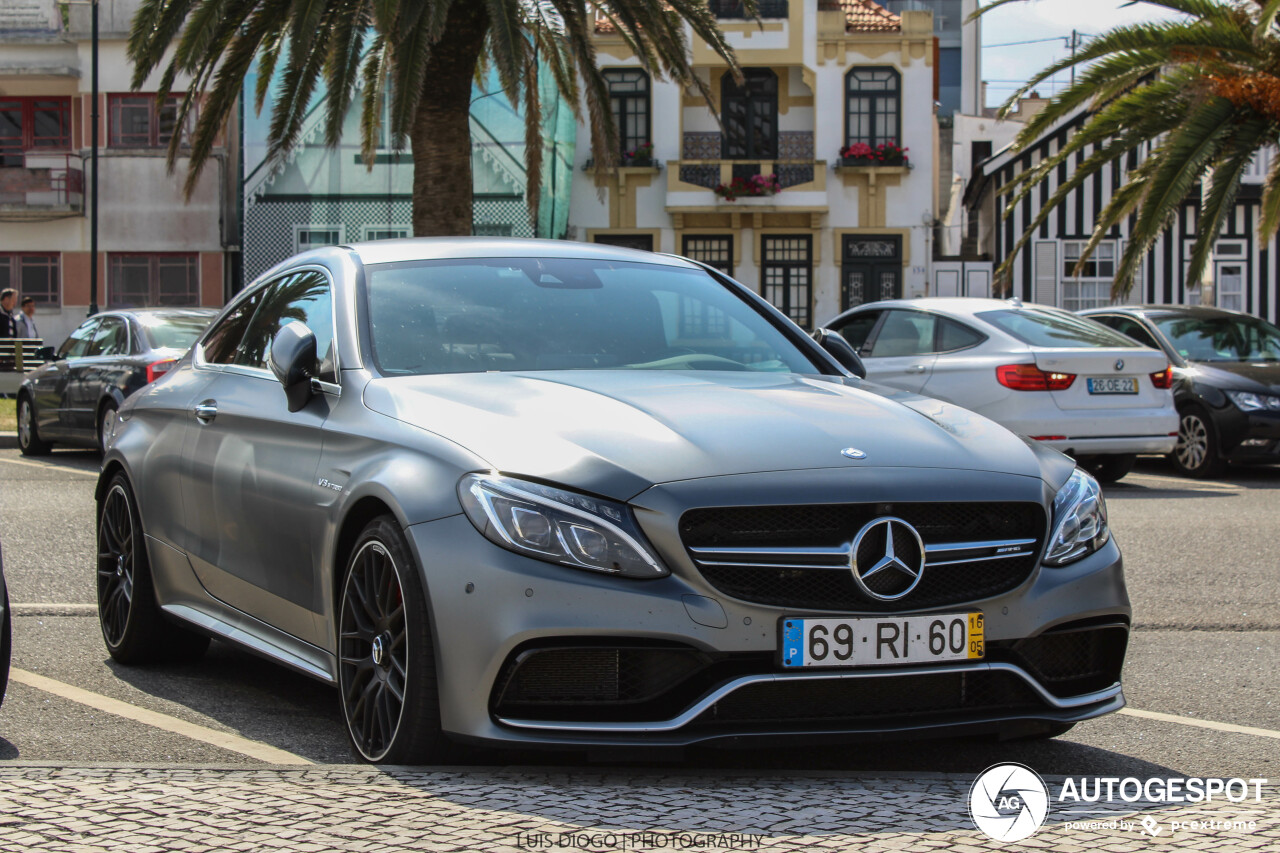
<point x="293" y="361"/>
<point x="47" y="354"/>
<point x="841" y="350"/>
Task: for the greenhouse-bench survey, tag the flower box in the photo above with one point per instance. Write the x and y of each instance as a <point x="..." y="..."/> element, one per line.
<point x="752" y="187"/>
<point x="860" y="154"/>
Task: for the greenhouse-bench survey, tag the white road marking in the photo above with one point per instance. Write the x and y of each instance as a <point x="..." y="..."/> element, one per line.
<point x="1183" y="482"/>
<point x="223" y="740"/>
<point x="44" y="467"/>
<point x="55" y="609"/>
<point x="1201" y="724"/>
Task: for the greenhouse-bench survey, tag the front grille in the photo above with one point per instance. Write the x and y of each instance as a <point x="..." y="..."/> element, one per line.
<point x="1069" y="661"/>
<point x="798" y="556"/>
<point x="853" y="701"/>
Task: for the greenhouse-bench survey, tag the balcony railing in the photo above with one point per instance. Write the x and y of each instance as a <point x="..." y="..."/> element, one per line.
<point x="45" y="186"/>
<point x="734" y="8"/>
<point x="712" y="173"/>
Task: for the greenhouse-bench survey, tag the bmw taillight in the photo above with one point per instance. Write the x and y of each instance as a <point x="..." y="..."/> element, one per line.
<point x="1028" y="377"/>
<point x="1163" y="379"/>
<point x="156" y="369"/>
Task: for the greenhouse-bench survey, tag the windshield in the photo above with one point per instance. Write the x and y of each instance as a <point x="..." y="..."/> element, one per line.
<point x="172" y="331"/>
<point x="505" y="314"/>
<point x="1221" y="338"/>
<point x="1042" y="328"/>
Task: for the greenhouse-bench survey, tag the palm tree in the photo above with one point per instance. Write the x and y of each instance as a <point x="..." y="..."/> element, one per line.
<point x="421" y="54"/>
<point x="1201" y="92"/>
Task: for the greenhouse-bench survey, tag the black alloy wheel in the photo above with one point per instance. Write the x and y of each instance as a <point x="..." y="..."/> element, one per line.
<point x="115" y="564"/>
<point x="28" y="436"/>
<point x="386" y="663"/>
<point x="1196" y="453"/>
<point x="133" y="626"/>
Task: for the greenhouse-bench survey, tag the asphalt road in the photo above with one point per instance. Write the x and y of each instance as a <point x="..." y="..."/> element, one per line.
<point x="1203" y="573"/>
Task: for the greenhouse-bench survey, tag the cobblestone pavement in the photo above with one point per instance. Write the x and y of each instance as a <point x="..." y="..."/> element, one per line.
<point x="143" y="810"/>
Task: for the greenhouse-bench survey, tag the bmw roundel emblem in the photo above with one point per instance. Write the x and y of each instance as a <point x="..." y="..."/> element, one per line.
<point x="1119" y="364"/>
<point x="853" y="453"/>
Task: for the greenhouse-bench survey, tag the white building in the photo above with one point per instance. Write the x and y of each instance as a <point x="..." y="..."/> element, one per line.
<point x="1245" y="268"/>
<point x="154" y="247"/>
<point x="819" y="76"/>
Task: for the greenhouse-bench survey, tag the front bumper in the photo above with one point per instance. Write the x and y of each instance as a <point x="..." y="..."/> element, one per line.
<point x="490" y="605"/>
<point x="1249" y="437"/>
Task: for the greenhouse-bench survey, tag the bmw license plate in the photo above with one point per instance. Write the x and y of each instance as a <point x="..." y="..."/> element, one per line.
<point x="881" y="641"/>
<point x="1113" y="385"/>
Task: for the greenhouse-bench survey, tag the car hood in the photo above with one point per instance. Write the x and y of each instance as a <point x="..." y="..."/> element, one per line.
<point x="1244" y="376"/>
<point x="615" y="433"/>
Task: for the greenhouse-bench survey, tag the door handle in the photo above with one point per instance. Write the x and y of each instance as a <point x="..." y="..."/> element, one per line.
<point x="206" y="411"/>
<point x="917" y="368"/>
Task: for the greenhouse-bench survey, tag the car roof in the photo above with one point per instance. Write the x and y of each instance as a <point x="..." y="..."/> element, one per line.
<point x="964" y="306"/>
<point x="1203" y="311"/>
<point x="444" y="248"/>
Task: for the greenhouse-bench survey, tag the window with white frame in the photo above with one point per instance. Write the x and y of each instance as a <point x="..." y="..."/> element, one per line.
<point x="378" y="232"/>
<point x="1092" y="287"/>
<point x="314" y="236"/>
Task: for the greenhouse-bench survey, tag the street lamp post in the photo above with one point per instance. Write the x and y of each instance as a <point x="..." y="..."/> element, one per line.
<point x="93" y="159"/>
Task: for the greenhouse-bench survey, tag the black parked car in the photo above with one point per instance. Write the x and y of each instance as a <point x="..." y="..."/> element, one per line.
<point x="1226" y="369"/>
<point x="6" y="633"/>
<point x="74" y="396"/>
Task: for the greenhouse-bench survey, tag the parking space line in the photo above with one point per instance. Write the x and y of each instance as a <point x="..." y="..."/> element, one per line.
<point x="45" y="467"/>
<point x="223" y="740"/>
<point x="1200" y="724"/>
<point x="53" y="609"/>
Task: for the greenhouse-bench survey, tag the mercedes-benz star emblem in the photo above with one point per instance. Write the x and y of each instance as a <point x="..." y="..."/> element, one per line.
<point x="853" y="453"/>
<point x="887" y="558"/>
<point x="1119" y="364"/>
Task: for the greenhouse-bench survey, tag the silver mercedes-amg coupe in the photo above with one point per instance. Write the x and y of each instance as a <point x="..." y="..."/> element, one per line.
<point x="545" y="493"/>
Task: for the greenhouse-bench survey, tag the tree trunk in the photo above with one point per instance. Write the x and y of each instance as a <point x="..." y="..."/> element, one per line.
<point x="441" y="133"/>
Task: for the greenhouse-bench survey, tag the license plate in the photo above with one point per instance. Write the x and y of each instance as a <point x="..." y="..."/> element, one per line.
<point x="1113" y="385"/>
<point x="882" y="641"/>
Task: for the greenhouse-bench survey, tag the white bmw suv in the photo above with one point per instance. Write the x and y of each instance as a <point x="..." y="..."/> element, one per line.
<point x="1042" y="372"/>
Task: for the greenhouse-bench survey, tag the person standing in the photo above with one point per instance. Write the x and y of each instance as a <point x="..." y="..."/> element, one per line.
<point x="8" y="323"/>
<point x="26" y="319"/>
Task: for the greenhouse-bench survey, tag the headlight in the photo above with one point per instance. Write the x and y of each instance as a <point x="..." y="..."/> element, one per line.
<point x="1079" y="521"/>
<point x="558" y="526"/>
<point x="1247" y="401"/>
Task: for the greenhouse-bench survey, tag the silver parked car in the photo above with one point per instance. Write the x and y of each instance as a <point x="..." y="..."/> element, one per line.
<point x="539" y="492"/>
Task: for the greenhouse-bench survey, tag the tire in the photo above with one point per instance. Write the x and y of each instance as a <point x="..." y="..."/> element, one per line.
<point x="6" y="646"/>
<point x="1110" y="469"/>
<point x="133" y="627"/>
<point x="385" y="648"/>
<point x="106" y="425"/>
<point x="28" y="433"/>
<point x="1196" y="453"/>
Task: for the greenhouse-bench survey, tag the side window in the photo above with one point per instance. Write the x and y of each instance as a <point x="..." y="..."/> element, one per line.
<point x="78" y="343"/>
<point x="856" y="328"/>
<point x="303" y="297"/>
<point x="219" y="345"/>
<point x="954" y="336"/>
<point x="905" y="333"/>
<point x="1132" y="328"/>
<point x="112" y="338"/>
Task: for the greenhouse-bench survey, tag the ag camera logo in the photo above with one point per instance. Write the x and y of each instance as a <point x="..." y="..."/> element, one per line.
<point x="1008" y="802"/>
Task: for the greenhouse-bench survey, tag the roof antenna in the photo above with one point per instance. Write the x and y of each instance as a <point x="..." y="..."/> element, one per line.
<point x="1016" y="301"/>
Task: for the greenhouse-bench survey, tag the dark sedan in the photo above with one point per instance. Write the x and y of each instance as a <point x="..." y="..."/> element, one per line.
<point x="6" y="633"/>
<point x="1226" y="369"/>
<point x="73" y="398"/>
